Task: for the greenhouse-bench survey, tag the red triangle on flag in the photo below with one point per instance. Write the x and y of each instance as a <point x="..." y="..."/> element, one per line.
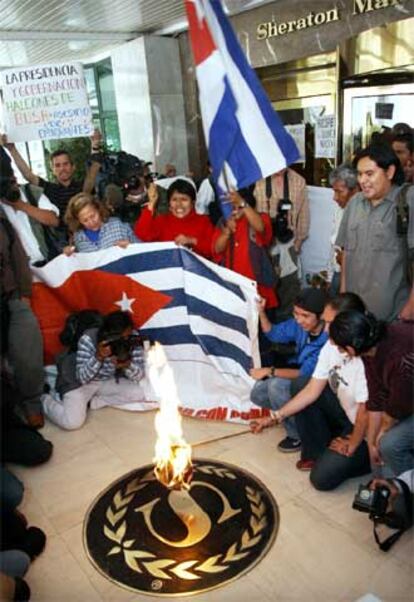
<point x="201" y="41"/>
<point x="91" y="289"/>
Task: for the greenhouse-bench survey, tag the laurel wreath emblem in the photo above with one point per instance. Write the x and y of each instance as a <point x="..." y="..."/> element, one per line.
<point x="166" y="568"/>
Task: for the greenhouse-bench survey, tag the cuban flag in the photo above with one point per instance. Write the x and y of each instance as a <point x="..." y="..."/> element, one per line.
<point x="246" y="139"/>
<point x="203" y="314"/>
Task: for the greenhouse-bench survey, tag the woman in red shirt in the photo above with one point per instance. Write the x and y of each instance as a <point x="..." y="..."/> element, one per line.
<point x="231" y="246"/>
<point x="181" y="225"/>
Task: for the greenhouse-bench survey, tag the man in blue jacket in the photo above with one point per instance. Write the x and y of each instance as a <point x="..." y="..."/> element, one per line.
<point x="274" y="385"/>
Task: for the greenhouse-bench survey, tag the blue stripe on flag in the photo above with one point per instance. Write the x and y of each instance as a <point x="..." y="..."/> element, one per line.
<point x="212" y="346"/>
<point x="197" y="307"/>
<point x="151" y="261"/>
<point x="227" y="143"/>
<point x="283" y="138"/>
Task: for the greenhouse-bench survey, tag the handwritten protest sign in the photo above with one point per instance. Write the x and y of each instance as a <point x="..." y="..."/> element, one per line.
<point x="325" y="137"/>
<point x="44" y="102"/>
<point x="297" y="131"/>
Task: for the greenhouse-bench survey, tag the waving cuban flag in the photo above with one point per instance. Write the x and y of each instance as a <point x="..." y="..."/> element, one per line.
<point x="245" y="136"/>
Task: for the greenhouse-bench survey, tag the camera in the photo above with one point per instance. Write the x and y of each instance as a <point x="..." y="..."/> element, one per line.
<point x="121" y="347"/>
<point x="280" y="223"/>
<point x="372" y="501"/>
<point x="9" y="189"/>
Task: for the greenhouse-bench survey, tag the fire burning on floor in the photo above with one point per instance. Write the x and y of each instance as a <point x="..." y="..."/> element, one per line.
<point x="182" y="525"/>
<point x="172" y="458"/>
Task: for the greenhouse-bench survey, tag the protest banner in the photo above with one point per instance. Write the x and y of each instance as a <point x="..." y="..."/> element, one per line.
<point x="297" y="131"/>
<point x="45" y="102"/>
<point x="325" y="136"/>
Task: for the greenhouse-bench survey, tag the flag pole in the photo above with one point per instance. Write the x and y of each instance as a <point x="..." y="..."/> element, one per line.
<point x="215" y="439"/>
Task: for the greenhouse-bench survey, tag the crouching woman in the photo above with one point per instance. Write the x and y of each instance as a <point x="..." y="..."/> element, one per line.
<point x="107" y="370"/>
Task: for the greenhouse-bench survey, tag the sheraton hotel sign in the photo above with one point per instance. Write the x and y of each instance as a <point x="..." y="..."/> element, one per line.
<point x="313" y="19"/>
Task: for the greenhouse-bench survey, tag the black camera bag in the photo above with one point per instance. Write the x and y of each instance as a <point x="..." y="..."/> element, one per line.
<point x="401" y="518"/>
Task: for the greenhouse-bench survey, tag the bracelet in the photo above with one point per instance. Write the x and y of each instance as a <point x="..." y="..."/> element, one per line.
<point x="277" y="416"/>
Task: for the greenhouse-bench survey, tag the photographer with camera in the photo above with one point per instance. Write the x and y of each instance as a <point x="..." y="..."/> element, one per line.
<point x="108" y="371"/>
<point x="284" y="198"/>
<point x="30" y="218"/>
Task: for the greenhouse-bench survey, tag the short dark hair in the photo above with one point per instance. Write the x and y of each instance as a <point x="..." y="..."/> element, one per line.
<point x="407" y="139"/>
<point x="361" y="331"/>
<point x="346" y="302"/>
<point x="183" y="187"/>
<point x="312" y="300"/>
<point x="384" y="157"/>
<point x="58" y="152"/>
<point x="114" y="324"/>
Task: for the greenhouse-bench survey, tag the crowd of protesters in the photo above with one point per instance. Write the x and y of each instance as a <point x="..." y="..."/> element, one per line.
<point x="338" y="363"/>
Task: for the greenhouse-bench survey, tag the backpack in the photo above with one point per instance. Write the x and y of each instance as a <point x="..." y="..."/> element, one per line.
<point x="87" y="320"/>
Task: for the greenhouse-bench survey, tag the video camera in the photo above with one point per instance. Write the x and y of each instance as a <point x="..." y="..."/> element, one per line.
<point x="121" y="183"/>
<point x="122" y="169"/>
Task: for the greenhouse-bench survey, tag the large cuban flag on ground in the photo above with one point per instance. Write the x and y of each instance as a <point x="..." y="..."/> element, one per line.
<point x="245" y="136"/>
<point x="203" y="314"/>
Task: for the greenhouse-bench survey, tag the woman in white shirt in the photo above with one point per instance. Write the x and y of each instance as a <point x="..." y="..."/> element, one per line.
<point x="330" y="411"/>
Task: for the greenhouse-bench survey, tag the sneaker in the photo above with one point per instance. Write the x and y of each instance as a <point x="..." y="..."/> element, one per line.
<point x="289" y="445"/>
<point x="34" y="542"/>
<point x="305" y="465"/>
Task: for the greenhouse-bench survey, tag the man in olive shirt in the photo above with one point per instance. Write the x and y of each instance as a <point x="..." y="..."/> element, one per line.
<point x="374" y="262"/>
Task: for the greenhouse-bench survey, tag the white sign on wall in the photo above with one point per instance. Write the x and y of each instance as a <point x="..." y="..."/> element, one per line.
<point x="325" y="137"/>
<point x="45" y="102"/>
<point x="297" y="131"/>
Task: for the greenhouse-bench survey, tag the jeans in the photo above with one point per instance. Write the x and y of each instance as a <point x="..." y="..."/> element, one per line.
<point x="318" y="424"/>
<point x="14" y="563"/>
<point x="11" y="490"/>
<point x="397" y="446"/>
<point x="273" y="393"/>
<point x="25" y="353"/>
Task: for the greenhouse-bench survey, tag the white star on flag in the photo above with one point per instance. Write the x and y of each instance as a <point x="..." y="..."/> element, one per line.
<point x="125" y="303"/>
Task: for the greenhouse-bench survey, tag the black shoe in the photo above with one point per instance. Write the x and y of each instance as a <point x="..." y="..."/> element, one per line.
<point x="21" y="591"/>
<point x="289" y="445"/>
<point x="34" y="542"/>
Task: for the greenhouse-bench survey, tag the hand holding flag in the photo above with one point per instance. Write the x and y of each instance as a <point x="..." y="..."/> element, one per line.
<point x="246" y="138"/>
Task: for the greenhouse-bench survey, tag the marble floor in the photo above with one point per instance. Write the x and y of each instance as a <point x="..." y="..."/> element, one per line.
<point x="324" y="550"/>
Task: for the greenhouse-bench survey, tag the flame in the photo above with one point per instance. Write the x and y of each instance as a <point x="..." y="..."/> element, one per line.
<point x="172" y="453"/>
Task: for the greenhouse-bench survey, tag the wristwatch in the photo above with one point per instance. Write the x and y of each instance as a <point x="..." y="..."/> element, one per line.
<point x="242" y="205"/>
<point x="272" y="371"/>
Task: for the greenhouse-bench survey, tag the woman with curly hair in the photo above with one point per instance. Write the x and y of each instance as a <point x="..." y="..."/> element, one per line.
<point x="93" y="228"/>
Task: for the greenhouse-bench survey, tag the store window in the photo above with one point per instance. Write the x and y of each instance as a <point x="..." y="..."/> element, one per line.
<point x="302" y="92"/>
<point x="101" y="94"/>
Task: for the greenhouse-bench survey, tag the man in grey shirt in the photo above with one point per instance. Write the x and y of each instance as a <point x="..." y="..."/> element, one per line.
<point x="375" y="255"/>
